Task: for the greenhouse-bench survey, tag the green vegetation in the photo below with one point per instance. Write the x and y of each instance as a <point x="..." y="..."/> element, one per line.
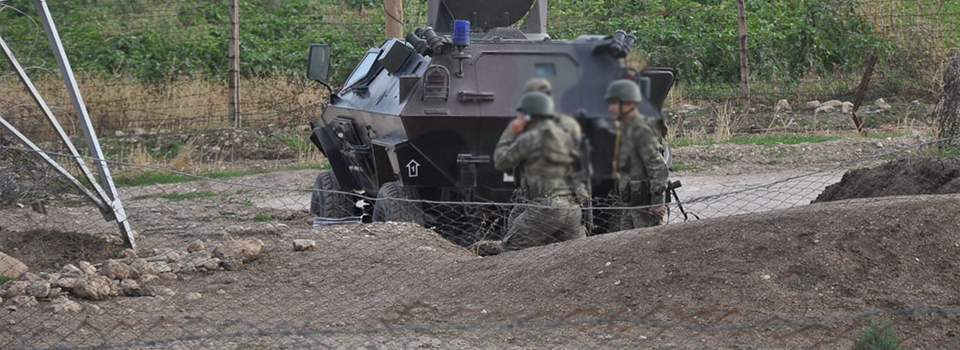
<point x="763" y="140"/>
<point x="879" y="335"/>
<point x="177" y="196"/>
<point x="5" y="279"/>
<point x="160" y="42"/>
<point x="265" y="218"/>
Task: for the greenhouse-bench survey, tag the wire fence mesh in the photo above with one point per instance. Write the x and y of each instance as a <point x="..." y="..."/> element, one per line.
<point x="240" y="262"/>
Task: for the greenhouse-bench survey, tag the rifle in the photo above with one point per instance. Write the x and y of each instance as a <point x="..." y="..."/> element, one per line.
<point x="672" y="189"/>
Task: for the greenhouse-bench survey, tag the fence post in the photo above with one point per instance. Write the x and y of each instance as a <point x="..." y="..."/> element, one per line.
<point x="744" y="73"/>
<point x="234" y="56"/>
<point x="394" y="13"/>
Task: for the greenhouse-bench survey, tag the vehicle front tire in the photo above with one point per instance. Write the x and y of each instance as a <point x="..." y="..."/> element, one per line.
<point x="398" y="203"/>
<point x="327" y="202"/>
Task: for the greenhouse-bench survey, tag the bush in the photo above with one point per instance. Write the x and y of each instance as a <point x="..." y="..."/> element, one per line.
<point x="879" y="335"/>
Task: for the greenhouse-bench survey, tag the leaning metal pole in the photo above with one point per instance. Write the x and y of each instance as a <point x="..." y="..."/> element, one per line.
<point x="87" y="126"/>
<point x="56" y="126"/>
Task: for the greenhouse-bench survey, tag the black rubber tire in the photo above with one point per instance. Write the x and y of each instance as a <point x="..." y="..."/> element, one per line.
<point x="327" y="204"/>
<point x="401" y="211"/>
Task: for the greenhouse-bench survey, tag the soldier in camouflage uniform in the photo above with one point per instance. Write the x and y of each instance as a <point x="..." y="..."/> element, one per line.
<point x="638" y="158"/>
<point x="543" y="155"/>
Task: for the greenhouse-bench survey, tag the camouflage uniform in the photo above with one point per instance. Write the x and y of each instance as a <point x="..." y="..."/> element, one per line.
<point x="640" y="168"/>
<point x="549" y="212"/>
<point x="568" y="124"/>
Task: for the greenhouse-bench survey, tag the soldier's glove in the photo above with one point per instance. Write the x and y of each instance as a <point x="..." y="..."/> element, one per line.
<point x="660" y="210"/>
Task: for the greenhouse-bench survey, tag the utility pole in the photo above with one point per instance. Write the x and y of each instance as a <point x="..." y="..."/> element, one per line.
<point x="394" y="12"/>
<point x="234" y="56"/>
<point x="744" y="73"/>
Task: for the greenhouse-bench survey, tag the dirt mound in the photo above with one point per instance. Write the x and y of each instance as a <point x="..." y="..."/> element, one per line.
<point x="48" y="250"/>
<point x="819" y="262"/>
<point x="902" y="177"/>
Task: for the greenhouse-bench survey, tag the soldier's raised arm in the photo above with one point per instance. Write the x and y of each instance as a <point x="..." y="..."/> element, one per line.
<point x="512" y="149"/>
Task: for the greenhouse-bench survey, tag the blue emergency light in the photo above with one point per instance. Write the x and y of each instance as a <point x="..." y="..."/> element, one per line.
<point x="461" y="33"/>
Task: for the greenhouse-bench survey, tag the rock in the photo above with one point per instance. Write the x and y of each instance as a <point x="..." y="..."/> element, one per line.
<point x="94" y="288"/>
<point x="175" y="267"/>
<point x="301" y="245"/>
<point x="87" y="268"/>
<point x="54" y="293"/>
<point x="62" y="305"/>
<point x="192" y="296"/>
<point x="846" y="107"/>
<point x="880" y="103"/>
<point x="38" y="289"/>
<point x="13" y="288"/>
<point x="824" y="110"/>
<point x="831" y="103"/>
<point x="690" y="108"/>
<point x="143" y="267"/>
<point x="210" y="264"/>
<point x="70" y="269"/>
<point x="147" y="279"/>
<point x="10" y="267"/>
<point x="128" y="254"/>
<point x="20" y="302"/>
<point x="167" y="276"/>
<point x="244" y="250"/>
<point x="167" y="256"/>
<point x="117" y="270"/>
<point x="130" y="288"/>
<point x="158" y="292"/>
<point x="49" y="277"/>
<point x="812" y="104"/>
<point x="66" y="283"/>
<point x="158" y="267"/>
<point x="195" y="246"/>
<point x="783" y="105"/>
<point x="231" y="264"/>
<point x="30" y="277"/>
<point x="119" y="133"/>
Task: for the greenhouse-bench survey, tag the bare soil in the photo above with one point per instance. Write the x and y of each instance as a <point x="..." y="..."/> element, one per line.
<point x="802" y="278"/>
<point x="902" y="177"/>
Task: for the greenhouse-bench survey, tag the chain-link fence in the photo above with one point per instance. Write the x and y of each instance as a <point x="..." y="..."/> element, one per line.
<point x="240" y="262"/>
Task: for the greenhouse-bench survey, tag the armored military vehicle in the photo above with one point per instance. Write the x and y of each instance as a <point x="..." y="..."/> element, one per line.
<point x="418" y="118"/>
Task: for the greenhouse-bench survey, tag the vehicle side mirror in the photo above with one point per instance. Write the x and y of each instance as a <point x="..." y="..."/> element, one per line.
<point x="319" y="62"/>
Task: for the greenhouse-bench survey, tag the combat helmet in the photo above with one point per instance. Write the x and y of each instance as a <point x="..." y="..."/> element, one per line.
<point x="623" y="90"/>
<point x="538" y="84"/>
<point x="536" y="103"/>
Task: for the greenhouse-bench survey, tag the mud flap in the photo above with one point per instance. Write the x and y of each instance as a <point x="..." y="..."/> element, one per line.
<point x="338" y="163"/>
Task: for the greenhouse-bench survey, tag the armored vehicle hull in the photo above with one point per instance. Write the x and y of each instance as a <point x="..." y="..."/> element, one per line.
<point x="421" y="117"/>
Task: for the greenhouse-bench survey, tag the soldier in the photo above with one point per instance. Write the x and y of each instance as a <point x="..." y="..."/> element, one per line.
<point x="571" y="126"/>
<point x="638" y="160"/>
<point x="543" y="156"/>
<point x="567" y="122"/>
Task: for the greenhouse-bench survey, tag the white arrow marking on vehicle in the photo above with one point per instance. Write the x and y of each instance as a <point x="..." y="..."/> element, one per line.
<point x="413" y="168"/>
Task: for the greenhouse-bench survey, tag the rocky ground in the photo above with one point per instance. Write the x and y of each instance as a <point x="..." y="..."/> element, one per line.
<point x="237" y="265"/>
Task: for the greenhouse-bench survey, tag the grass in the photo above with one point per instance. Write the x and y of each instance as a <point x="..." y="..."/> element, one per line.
<point x="177" y="196"/>
<point x="879" y="335"/>
<point x="678" y="165"/>
<point x="762" y="140"/>
<point x="265" y="218"/>
<point x="5" y="279"/>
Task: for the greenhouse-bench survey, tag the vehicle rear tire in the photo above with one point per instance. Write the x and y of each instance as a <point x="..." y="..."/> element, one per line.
<point x="326" y="202"/>
<point x="388" y="208"/>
